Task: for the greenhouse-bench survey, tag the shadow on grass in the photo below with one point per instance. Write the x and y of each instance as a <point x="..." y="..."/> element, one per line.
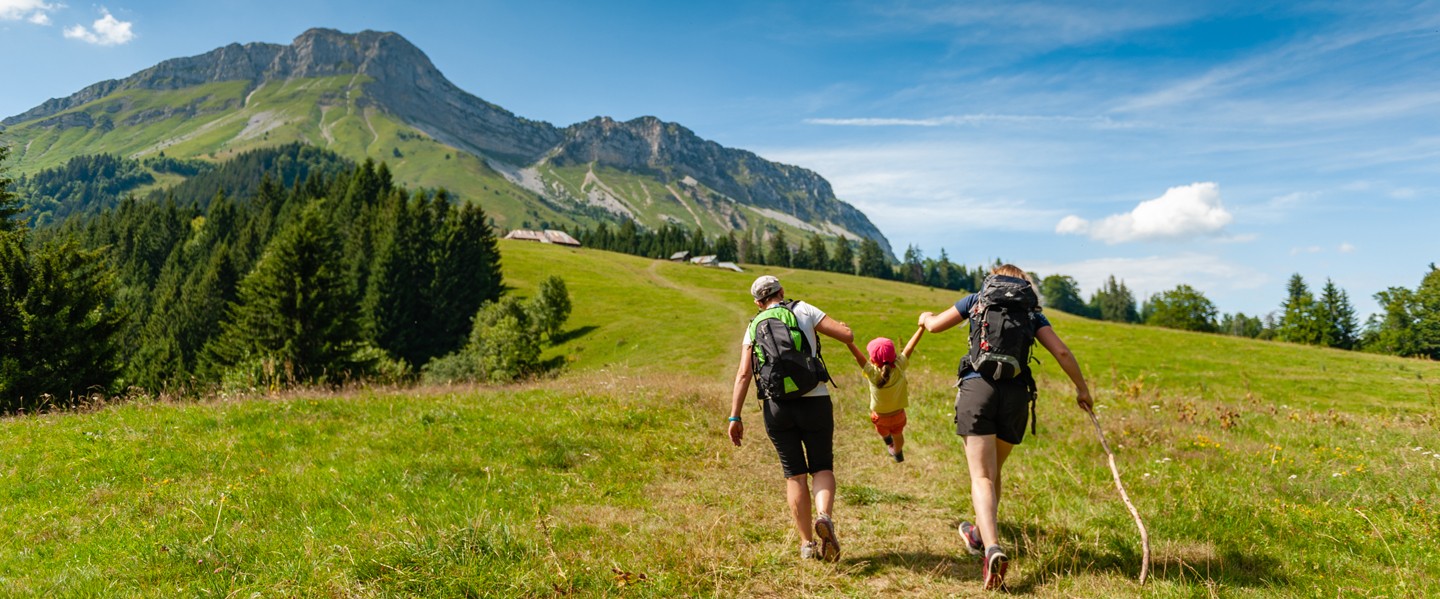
<point x="572" y="334"/>
<point x="1229" y="567"/>
<point x="933" y="564"/>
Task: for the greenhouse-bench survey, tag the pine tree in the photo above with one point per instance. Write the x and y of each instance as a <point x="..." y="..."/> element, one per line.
<point x="912" y="270"/>
<point x="1300" y="320"/>
<point x="295" y="314"/>
<point x="872" y="260"/>
<point x="779" y="252"/>
<point x="844" y="259"/>
<point x="726" y="248"/>
<point x="818" y="256"/>
<point x="1114" y="302"/>
<point x="1340" y="326"/>
<point x="467" y="275"/>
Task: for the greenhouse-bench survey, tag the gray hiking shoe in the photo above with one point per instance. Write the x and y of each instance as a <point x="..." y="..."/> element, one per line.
<point x="993" y="572"/>
<point x="810" y="550"/>
<point x="971" y="536"/>
<point x="829" y="544"/>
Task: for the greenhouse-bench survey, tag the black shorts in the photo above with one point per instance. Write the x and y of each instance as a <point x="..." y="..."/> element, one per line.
<point x="998" y="408"/>
<point x="803" y="431"/>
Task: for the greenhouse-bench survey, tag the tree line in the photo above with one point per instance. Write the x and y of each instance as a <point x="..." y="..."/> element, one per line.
<point x="297" y="267"/>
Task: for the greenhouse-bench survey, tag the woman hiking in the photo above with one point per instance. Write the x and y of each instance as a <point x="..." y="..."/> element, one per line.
<point x="798" y="415"/>
<point x="996" y="388"/>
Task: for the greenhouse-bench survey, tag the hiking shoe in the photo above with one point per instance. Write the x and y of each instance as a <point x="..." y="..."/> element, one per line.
<point x="829" y="545"/>
<point x="810" y="550"/>
<point x="899" y="456"/>
<point x="993" y="572"/>
<point x="971" y="536"/>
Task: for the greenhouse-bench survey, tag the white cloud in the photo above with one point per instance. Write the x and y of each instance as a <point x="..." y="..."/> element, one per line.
<point x="1182" y="212"/>
<point x="1347" y="247"/>
<point x="105" y="31"/>
<point x="34" y="11"/>
<point x="1312" y="249"/>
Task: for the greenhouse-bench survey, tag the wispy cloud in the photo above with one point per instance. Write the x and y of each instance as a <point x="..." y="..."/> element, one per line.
<point x="34" y="11"/>
<point x="1184" y="212"/>
<point x="968" y="119"/>
<point x="105" y="31"/>
<point x="1044" y="24"/>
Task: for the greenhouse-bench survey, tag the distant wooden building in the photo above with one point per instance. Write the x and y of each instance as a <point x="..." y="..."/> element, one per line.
<point x="546" y="236"/>
<point x="680" y="256"/>
<point x="729" y="266"/>
<point x="705" y="260"/>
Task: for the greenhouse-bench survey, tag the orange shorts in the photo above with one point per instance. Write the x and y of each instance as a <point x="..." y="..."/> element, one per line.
<point x="889" y="424"/>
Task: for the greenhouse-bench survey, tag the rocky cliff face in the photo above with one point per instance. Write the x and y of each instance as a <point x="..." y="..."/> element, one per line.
<point x="404" y="83"/>
<point x="672" y="153"/>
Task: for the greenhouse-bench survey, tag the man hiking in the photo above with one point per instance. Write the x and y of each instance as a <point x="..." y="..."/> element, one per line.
<point x="996" y="388"/>
<point x="781" y="352"/>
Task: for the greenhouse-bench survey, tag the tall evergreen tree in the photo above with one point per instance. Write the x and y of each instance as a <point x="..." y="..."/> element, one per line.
<point x="872" y="260"/>
<point x="912" y="269"/>
<point x="1114" y="302"/>
<point x="296" y="312"/>
<point x="817" y="254"/>
<point x="778" y="253"/>
<point x="726" y="248"/>
<point x="844" y="258"/>
<point x="1300" y="320"/>
<point x="1340" y="327"/>
<point x="467" y="275"/>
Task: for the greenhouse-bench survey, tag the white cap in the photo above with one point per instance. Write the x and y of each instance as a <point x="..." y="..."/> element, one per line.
<point x="764" y="287"/>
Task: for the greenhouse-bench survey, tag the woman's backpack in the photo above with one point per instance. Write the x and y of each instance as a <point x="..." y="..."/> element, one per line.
<point x="1001" y="334"/>
<point x="781" y="360"/>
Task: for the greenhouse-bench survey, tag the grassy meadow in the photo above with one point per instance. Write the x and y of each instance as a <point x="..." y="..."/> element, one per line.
<point x="1261" y="469"/>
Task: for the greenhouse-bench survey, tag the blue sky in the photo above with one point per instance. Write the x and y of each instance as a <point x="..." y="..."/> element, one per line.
<point x="1221" y="144"/>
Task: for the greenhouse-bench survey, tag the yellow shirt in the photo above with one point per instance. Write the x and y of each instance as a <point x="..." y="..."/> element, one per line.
<point x="895" y="395"/>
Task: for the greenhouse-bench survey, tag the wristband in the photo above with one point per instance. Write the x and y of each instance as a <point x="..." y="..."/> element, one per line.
<point x="734" y="419"/>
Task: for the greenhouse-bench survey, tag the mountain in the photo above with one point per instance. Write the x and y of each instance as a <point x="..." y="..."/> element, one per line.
<point x="375" y="95"/>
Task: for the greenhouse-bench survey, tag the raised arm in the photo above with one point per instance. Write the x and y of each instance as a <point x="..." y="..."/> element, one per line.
<point x="914" y="341"/>
<point x="1047" y="337"/>
<point x="737" y="396"/>
<point x="860" y="358"/>
<point x="835" y="329"/>
<point x="943" y="321"/>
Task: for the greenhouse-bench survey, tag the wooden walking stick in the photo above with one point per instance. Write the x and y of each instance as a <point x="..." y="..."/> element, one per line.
<point x="1144" y="536"/>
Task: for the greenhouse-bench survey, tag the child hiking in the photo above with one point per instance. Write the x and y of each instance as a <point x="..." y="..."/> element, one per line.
<point x="996" y="388"/>
<point x="889" y="394"/>
<point x="781" y="352"/>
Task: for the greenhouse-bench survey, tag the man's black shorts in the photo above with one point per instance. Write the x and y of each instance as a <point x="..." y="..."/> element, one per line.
<point x="803" y="432"/>
<point x="998" y="408"/>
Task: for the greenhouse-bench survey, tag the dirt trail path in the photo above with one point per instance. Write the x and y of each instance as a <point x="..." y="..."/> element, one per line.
<point x="653" y="272"/>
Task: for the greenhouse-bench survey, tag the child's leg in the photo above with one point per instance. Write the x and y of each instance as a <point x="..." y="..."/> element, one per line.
<point x="899" y="441"/>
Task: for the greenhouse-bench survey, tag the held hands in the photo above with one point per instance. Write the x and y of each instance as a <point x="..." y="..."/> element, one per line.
<point x="1082" y="398"/>
<point x="924" y="316"/>
<point x="737" y="432"/>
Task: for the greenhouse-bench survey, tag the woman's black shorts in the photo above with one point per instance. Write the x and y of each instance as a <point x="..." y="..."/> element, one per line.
<point x="999" y="408"/>
<point x="803" y="431"/>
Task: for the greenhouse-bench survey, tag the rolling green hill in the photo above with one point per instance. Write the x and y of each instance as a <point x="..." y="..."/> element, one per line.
<point x="1262" y="469"/>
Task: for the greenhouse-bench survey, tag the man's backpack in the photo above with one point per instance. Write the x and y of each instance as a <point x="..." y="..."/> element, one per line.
<point x="1001" y="334"/>
<point x="781" y="360"/>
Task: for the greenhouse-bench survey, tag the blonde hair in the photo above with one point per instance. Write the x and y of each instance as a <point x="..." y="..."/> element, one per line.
<point x="1010" y="270"/>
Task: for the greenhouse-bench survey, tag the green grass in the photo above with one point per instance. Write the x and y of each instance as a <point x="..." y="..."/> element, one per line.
<point x="1261" y="469"/>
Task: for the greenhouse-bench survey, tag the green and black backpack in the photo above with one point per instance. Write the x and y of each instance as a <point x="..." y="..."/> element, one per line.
<point x="783" y="366"/>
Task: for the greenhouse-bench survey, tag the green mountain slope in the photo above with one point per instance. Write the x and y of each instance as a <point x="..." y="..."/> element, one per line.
<point x="374" y="95"/>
